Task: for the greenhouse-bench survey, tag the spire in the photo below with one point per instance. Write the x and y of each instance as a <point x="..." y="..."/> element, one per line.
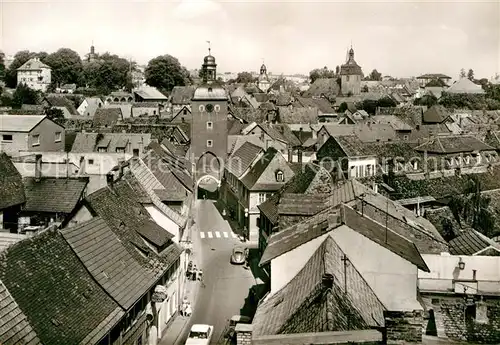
<point x="209" y="48"/>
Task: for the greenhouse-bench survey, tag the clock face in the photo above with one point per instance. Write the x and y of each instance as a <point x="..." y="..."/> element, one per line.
<point x="209" y="108"/>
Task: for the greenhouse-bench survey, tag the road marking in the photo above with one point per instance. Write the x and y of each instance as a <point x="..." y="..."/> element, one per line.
<point x="202" y="234"/>
<point x="225" y="235"/>
<point x="234" y="235"/>
<point x="217" y="234"/>
<point x="209" y="234"/>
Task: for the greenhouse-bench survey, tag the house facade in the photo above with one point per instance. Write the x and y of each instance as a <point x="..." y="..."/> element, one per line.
<point x="35" y="74"/>
<point x="30" y="133"/>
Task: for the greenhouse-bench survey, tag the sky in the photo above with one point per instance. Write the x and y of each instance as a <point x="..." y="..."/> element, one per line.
<point x="398" y="38"/>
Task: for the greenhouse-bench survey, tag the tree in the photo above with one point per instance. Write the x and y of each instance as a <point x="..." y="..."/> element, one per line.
<point x="320" y="73"/>
<point x="55" y="114"/>
<point x="426" y="100"/>
<point x="342" y="107"/>
<point x="2" y="65"/>
<point x="245" y="78"/>
<point x="375" y="75"/>
<point x="470" y="75"/>
<point x="24" y="95"/>
<point x="66" y="67"/>
<point x="462" y="73"/>
<point x="20" y="59"/>
<point x="165" y="72"/>
<point x="365" y="88"/>
<point x="386" y="102"/>
<point x="337" y="70"/>
<point x="107" y="73"/>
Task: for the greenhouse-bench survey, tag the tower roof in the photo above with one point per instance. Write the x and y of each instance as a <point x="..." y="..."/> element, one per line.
<point x="351" y="67"/>
<point x="209" y="60"/>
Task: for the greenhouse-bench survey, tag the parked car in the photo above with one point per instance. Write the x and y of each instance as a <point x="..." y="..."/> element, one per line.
<point x="238" y="257"/>
<point x="200" y="335"/>
<point x="236" y="319"/>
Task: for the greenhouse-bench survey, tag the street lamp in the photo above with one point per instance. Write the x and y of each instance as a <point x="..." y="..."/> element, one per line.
<point x="461" y="264"/>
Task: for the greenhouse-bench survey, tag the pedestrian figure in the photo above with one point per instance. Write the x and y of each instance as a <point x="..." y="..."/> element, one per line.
<point x="188" y="311"/>
<point x="200" y="274"/>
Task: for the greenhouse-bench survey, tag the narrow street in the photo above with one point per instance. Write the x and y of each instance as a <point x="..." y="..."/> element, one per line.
<point x="226" y="286"/>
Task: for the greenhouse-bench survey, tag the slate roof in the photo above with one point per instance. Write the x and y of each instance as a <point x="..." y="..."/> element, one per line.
<point x="472" y="242"/>
<point x="301" y="204"/>
<point x="234" y="142"/>
<point x="128" y="219"/>
<point x="331" y="218"/>
<point x="253" y="175"/>
<point x="14" y="325"/>
<point x="108" y="261"/>
<point x="90" y="142"/>
<point x="107" y="117"/>
<point x="125" y="108"/>
<point x="33" y="64"/>
<point x="69" y="304"/>
<point x="53" y="195"/>
<point x="19" y="123"/>
<point x="62" y="102"/>
<point x="453" y="144"/>
<point x="11" y="183"/>
<point x="178" y="165"/>
<point x="297" y="115"/>
<point x="435" y="114"/>
<point x="307" y="305"/>
<point x="242" y="158"/>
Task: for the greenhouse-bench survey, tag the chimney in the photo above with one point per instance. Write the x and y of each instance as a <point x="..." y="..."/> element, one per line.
<point x="328" y="280"/>
<point x="474" y="274"/>
<point x="375" y="187"/>
<point x="290" y="155"/>
<point x="38" y="168"/>
<point x="299" y="155"/>
<point x="109" y="180"/>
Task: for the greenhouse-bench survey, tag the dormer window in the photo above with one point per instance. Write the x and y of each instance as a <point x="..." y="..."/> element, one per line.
<point x="102" y="149"/>
<point x="120" y="150"/>
<point x="280" y="176"/>
<point x="210" y="89"/>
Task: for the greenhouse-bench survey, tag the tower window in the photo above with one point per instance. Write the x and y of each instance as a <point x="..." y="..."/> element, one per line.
<point x="202" y="108"/>
<point x="347" y="78"/>
<point x="217" y="108"/>
<point x="210" y="125"/>
<point x="210" y="143"/>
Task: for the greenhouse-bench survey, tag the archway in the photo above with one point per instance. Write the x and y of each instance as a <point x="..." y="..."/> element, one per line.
<point x="208" y="174"/>
<point x="207" y="187"/>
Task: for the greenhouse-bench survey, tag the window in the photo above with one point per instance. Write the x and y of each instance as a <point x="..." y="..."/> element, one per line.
<point x="184" y="112"/>
<point x="58" y="137"/>
<point x="210" y="143"/>
<point x="120" y="150"/>
<point x="405" y="137"/>
<point x="210" y="125"/>
<point x="154" y="112"/>
<point x="280" y="177"/>
<point x="217" y="108"/>
<point x="7" y="137"/>
<point x="202" y="108"/>
<point x="262" y="197"/>
<point x="91" y="161"/>
<point x="347" y="78"/>
<point x="102" y="149"/>
<point x="135" y="152"/>
<point x="36" y="139"/>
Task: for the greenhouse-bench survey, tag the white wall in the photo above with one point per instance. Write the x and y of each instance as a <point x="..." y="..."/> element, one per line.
<point x="392" y="278"/>
<point x="30" y="78"/>
<point x="163" y="221"/>
<point x="444" y="268"/>
<point x="49" y="169"/>
<point x="357" y="167"/>
<point x="82" y="215"/>
<point x="285" y="267"/>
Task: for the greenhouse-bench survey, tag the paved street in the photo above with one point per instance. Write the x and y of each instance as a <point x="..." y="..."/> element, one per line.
<point x="226" y="285"/>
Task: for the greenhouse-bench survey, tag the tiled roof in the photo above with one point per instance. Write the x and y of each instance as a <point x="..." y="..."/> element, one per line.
<point x="307" y="305"/>
<point x="39" y="109"/>
<point x="125" y="108"/>
<point x="331" y="218"/>
<point x="92" y="104"/>
<point x="471" y="243"/>
<point x="90" y="142"/>
<point x="32" y="65"/>
<point x="54" y="195"/>
<point x="261" y="97"/>
<point x="352" y="146"/>
<point x="107" y="116"/>
<point x="11" y="183"/>
<point x="433" y="76"/>
<point x="234" y="127"/>
<point x="297" y="115"/>
<point x="242" y="158"/>
<point x="61" y="300"/>
<point x="19" y="123"/>
<point x="284" y="99"/>
<point x="285" y="131"/>
<point x="149" y="92"/>
<point x="182" y="94"/>
<point x="252" y="176"/>
<point x="301" y="204"/>
<point x="178" y="165"/>
<point x="63" y="102"/>
<point x="234" y="142"/>
<point x="128" y="219"/>
<point x="465" y="86"/>
<point x="138" y="105"/>
<point x="435" y="114"/>
<point x="14" y="325"/>
<point x="7" y="239"/>
<point x="176" y="150"/>
<point x="453" y="144"/>
<point x="108" y="261"/>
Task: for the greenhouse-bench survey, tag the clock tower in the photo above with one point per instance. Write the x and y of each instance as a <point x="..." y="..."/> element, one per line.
<point x="209" y="108"/>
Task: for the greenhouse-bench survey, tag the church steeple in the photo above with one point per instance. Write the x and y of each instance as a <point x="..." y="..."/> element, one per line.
<point x="263" y="68"/>
<point x="209" y="67"/>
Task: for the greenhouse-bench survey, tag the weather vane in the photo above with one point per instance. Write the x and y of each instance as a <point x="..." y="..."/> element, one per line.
<point x="208" y="47"/>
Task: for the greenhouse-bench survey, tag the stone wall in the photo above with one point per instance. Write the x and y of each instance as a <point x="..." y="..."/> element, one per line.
<point x="403" y="327"/>
<point x="243" y="334"/>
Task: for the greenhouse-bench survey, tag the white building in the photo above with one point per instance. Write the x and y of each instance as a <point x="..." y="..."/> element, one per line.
<point x="35" y="74"/>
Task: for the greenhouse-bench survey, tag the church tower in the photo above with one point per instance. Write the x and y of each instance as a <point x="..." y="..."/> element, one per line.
<point x="91" y="56"/>
<point x="263" y="83"/>
<point x="351" y="75"/>
<point x="209" y="108"/>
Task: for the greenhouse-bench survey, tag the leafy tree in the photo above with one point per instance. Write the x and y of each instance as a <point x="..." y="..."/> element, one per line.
<point x="165" y="72"/>
<point x="107" y="73"/>
<point x="201" y="73"/>
<point x="55" y="114"/>
<point x="462" y="73"/>
<point x="426" y="100"/>
<point x="342" y="107"/>
<point x="447" y="232"/>
<point x="66" y="66"/>
<point x="20" y="59"/>
<point x="386" y="102"/>
<point x="245" y="78"/>
<point x="319" y="73"/>
<point x="24" y="95"/>
<point x="365" y="88"/>
<point x="2" y="65"/>
<point x="375" y="75"/>
<point x="470" y="74"/>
